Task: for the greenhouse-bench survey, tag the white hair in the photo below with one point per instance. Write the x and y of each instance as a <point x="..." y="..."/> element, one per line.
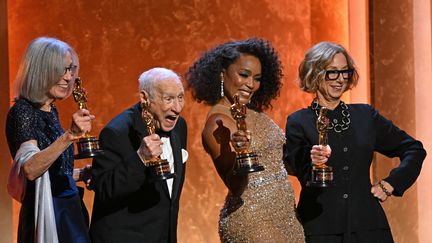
<point x="41" y="67"/>
<point x="148" y="79"/>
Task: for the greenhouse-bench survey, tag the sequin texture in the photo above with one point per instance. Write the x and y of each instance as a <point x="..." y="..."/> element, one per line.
<point x="265" y="212"/>
<point x="26" y="122"/>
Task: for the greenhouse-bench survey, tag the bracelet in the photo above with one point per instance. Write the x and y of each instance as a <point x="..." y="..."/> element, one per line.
<point x="380" y="183"/>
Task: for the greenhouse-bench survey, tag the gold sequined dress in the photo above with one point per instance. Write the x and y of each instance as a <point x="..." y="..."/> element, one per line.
<point x="265" y="212"/>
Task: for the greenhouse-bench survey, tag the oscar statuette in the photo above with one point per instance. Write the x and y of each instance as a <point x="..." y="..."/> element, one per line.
<point x="87" y="145"/>
<point x="159" y="168"/>
<point x="246" y="160"/>
<point x="322" y="174"/>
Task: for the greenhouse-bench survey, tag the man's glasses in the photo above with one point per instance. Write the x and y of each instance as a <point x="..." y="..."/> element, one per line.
<point x="71" y="68"/>
<point x="331" y="75"/>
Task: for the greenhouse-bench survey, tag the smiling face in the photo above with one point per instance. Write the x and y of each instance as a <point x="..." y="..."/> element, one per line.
<point x="330" y="91"/>
<point x="242" y="77"/>
<point x="62" y="88"/>
<point x="167" y="103"/>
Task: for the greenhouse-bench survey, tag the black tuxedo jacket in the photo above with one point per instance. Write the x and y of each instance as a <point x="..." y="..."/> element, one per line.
<point x="127" y="206"/>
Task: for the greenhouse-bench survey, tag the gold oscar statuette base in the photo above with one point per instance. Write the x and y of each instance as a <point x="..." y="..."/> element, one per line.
<point x="88" y="147"/>
<point x="159" y="169"/>
<point x="247" y="163"/>
<point x="322" y="176"/>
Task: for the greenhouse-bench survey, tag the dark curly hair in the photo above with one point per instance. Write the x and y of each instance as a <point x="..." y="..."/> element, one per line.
<point x="203" y="76"/>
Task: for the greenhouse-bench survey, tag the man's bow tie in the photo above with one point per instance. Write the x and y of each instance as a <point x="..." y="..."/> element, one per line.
<point x="163" y="134"/>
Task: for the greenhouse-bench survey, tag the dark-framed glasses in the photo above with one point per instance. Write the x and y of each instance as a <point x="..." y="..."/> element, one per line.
<point x="347" y="74"/>
<point x="71" y="68"/>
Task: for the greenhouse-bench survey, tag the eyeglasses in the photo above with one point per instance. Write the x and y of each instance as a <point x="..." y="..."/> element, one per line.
<point x="334" y="74"/>
<point x="71" y="68"/>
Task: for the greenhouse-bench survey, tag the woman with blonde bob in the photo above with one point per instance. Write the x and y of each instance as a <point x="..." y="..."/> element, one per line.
<point x="42" y="177"/>
<point x="350" y="209"/>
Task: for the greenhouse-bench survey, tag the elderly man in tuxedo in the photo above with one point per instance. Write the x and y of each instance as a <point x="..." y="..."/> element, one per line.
<point x="130" y="205"/>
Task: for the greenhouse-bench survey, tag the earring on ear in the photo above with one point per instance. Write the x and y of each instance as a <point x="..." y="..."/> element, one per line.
<point x="222" y="87"/>
<point x="145" y="105"/>
<point x="222" y="91"/>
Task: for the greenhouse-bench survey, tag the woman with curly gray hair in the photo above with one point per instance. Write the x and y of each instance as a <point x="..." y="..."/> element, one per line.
<point x="260" y="206"/>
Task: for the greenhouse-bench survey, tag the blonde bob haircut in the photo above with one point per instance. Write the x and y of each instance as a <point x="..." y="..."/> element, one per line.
<point x="312" y="69"/>
<point x="41" y="67"/>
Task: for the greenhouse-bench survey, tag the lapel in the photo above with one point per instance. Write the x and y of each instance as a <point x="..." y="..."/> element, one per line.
<point x="178" y="163"/>
<point x="141" y="132"/>
<point x="138" y="124"/>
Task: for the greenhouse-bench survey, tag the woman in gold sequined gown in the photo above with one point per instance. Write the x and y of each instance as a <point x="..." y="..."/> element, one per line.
<point x="260" y="206"/>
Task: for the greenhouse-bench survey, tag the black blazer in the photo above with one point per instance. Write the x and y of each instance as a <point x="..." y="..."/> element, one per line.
<point x="349" y="206"/>
<point x="127" y="206"/>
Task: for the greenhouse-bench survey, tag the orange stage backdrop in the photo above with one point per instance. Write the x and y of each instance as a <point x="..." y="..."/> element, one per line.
<point x="117" y="40"/>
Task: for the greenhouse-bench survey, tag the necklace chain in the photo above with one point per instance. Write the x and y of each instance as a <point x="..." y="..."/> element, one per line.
<point x="334" y="123"/>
